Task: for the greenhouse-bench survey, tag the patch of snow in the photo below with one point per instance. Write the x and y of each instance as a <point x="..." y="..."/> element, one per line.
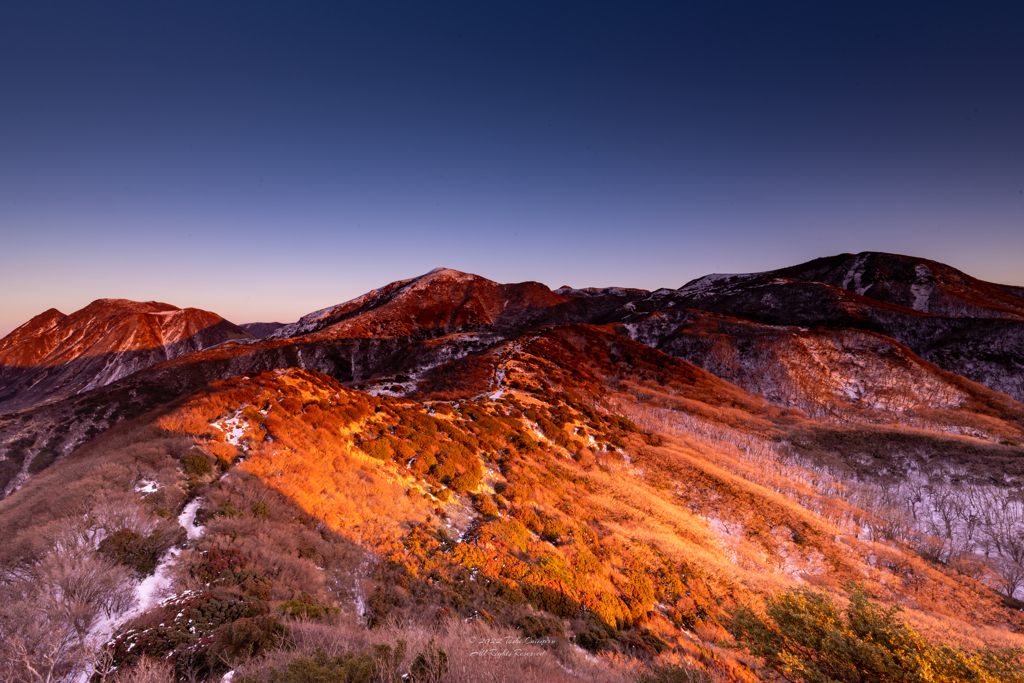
<point x="586" y="655"/>
<point x="146" y="486"/>
<point x="187" y="519"/>
<point x="149" y="591"/>
<point x="147" y="594"/>
<point x="499" y="378"/>
<point x="854" y="275"/>
<point x="922" y="289"/>
<point x="704" y="287"/>
<point x="233" y="427"/>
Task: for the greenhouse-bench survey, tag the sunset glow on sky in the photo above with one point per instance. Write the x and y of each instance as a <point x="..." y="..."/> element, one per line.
<point x="263" y="160"/>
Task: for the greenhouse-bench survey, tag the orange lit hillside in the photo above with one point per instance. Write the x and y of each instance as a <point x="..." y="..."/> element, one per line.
<point x="483" y="507"/>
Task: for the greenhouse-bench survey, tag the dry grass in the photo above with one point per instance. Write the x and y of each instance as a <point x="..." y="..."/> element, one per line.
<point x="476" y="653"/>
<point x="655" y="534"/>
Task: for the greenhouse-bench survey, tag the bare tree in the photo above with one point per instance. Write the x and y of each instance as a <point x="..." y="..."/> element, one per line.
<point x="1009" y="576"/>
<point x="147" y="670"/>
<point x="37" y="645"/>
<point x="48" y="609"/>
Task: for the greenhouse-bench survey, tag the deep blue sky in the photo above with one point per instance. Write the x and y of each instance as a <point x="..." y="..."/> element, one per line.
<point x="263" y="160"/>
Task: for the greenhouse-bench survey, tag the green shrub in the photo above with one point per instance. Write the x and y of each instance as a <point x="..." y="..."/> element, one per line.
<point x="227" y="509"/>
<point x="540" y="627"/>
<point x="254" y="415"/>
<point x="251" y="584"/>
<point x="646" y="642"/>
<point x="510" y="533"/>
<point x="132" y="549"/>
<point x="485" y="506"/>
<point x="465" y="482"/>
<point x="248" y="637"/>
<point x="805" y="637"/>
<point x="555" y="569"/>
<point x="596" y="636"/>
<point x="379" y="449"/>
<point x="216" y="564"/>
<point x="554" y="529"/>
<point x="260" y="509"/>
<point x="351" y="667"/>
<point x="586" y="562"/>
<point x="551" y="599"/>
<point x="529" y="519"/>
<point x="196" y="463"/>
<point x="196" y="631"/>
<point x="308" y="607"/>
<point x="524" y="444"/>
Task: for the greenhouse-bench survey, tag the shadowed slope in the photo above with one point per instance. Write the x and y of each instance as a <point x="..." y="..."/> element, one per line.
<point x="964" y="325"/>
<point x="841" y="374"/>
<point x="917" y="283"/>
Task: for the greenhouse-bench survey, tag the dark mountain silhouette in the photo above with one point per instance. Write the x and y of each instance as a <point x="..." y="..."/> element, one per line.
<point x="261" y="330"/>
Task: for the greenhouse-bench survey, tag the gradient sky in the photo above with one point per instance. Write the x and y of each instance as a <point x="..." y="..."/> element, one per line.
<point x="263" y="160"/>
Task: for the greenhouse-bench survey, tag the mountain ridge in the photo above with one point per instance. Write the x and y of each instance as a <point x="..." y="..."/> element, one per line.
<point x="619" y="472"/>
<point x="56" y="355"/>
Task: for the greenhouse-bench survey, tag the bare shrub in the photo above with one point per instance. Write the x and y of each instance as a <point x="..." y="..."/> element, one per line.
<point x="147" y="670"/>
<point x="36" y="645"/>
<point x="472" y="653"/>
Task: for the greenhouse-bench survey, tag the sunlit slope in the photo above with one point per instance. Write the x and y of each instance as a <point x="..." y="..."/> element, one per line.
<point x="55" y="356"/>
<point x="712" y="500"/>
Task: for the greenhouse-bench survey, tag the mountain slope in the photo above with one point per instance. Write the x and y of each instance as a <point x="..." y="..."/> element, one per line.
<point x="609" y="470"/>
<point x="442" y="300"/>
<point x="592" y="491"/>
<point x="964" y="325"/>
<point x="917" y="283"/>
<point x="54" y="355"/>
<point x="393" y="334"/>
<point x="833" y="374"/>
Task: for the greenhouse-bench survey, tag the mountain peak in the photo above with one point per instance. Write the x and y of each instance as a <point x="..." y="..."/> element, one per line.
<point x="36" y="326"/>
<point x="443" y="298"/>
<point x="446" y="273"/>
<point x="57" y="354"/>
<point x="128" y="306"/>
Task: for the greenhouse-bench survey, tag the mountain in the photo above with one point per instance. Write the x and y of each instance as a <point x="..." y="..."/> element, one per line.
<point x="441" y="301"/>
<point x="830" y="374"/>
<point x="609" y="479"/>
<point x="261" y="330"/>
<point x="56" y="355"/>
<point x="390" y="336"/>
<point x="917" y="283"/>
<point x="961" y="324"/>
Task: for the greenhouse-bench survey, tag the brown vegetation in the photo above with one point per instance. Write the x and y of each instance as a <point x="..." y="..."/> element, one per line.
<point x="613" y="499"/>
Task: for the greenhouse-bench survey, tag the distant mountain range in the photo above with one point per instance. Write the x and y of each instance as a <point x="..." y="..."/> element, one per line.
<point x="613" y="468"/>
<point x="930" y="313"/>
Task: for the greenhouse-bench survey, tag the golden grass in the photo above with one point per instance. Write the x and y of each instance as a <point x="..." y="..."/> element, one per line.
<point x="712" y="497"/>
